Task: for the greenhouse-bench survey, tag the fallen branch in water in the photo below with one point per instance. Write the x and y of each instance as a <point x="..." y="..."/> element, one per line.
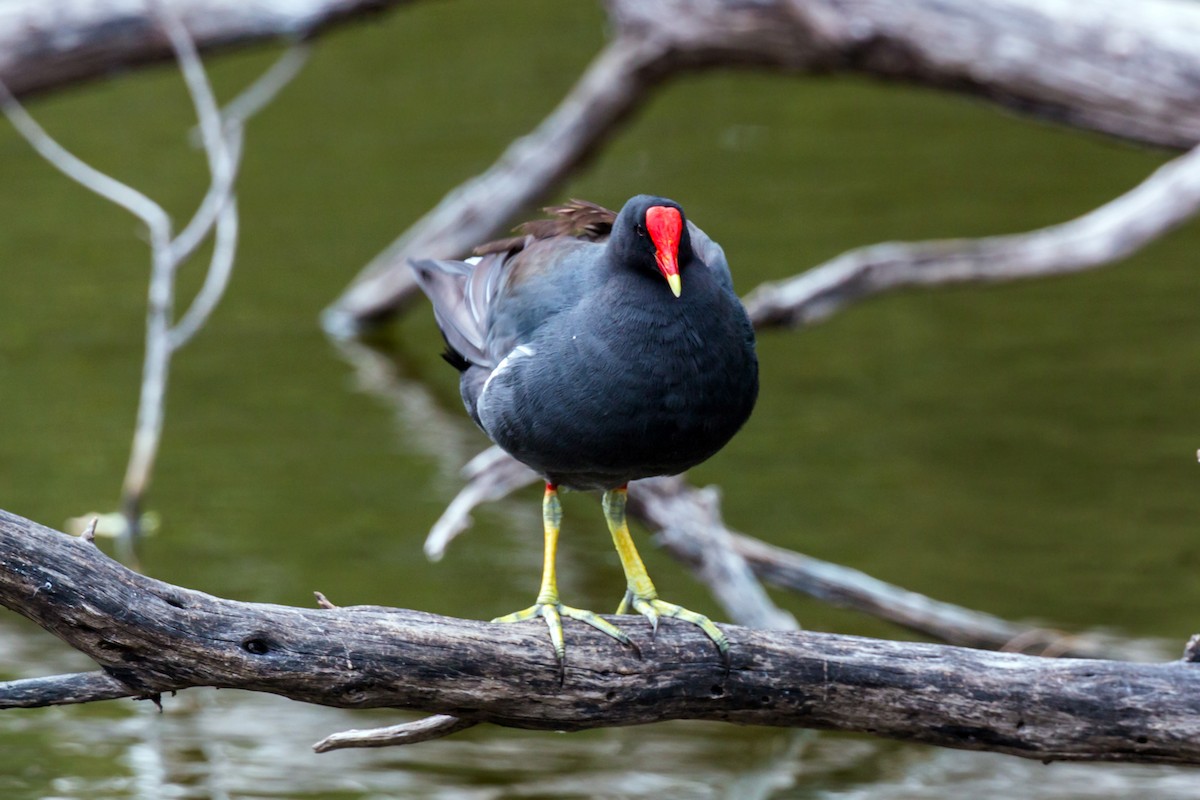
<point x="150" y="637"/>
<point x="1133" y="76"/>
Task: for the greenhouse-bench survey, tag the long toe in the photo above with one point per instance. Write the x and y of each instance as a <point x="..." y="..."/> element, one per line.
<point x="553" y="613"/>
<point x="598" y="622"/>
<point x="653" y="608"/>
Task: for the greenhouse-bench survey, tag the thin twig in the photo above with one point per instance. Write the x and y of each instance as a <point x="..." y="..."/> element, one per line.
<point x="216" y="280"/>
<point x="166" y="257"/>
<point x="85" y="175"/>
<point x="259" y="94"/>
<point x="423" y="730"/>
<point x="222" y="140"/>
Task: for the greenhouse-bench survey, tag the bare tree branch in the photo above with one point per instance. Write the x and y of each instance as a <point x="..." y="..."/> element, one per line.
<point x="491" y="475"/>
<point x="422" y="730"/>
<point x="48" y="44"/>
<point x="1158" y="205"/>
<point x="531" y="164"/>
<point x="61" y="690"/>
<point x="216" y="214"/>
<point x="154" y="638"/>
<point x="682" y="514"/>
<point x="1078" y="61"/>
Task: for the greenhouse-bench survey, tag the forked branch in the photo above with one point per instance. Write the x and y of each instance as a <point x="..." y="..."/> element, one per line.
<point x="1129" y="75"/>
<point x="216" y="216"/>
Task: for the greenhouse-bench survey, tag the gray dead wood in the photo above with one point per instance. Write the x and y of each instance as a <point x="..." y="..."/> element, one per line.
<point x="151" y="637"/>
<point x="49" y="44"/>
<point x="1087" y="63"/>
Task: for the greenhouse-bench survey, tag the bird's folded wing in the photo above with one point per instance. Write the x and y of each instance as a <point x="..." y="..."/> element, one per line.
<point x="711" y="254"/>
<point x="461" y="293"/>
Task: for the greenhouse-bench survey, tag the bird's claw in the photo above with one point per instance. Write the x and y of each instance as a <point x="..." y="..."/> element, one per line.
<point x="553" y="611"/>
<point x="652" y="609"/>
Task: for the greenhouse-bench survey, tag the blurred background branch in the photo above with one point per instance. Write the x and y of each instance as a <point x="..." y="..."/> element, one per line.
<point x="1079" y="63"/>
<point x="50" y="44"/>
<point x="221" y="138"/>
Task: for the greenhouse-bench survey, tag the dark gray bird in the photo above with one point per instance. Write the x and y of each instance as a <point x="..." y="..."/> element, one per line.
<point x="599" y="348"/>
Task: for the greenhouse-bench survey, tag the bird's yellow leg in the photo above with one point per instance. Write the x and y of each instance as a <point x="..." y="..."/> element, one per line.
<point x="548" y="606"/>
<point x="640" y="594"/>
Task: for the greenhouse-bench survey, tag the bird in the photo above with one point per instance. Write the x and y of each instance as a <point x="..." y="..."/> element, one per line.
<point x="599" y="348"/>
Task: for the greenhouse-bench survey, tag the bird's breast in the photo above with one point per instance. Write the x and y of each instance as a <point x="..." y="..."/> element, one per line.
<point x="616" y="390"/>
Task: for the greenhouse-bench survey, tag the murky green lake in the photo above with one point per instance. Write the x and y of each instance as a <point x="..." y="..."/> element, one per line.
<point x="1028" y="450"/>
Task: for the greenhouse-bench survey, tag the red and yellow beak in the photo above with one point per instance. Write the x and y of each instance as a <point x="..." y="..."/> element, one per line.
<point x="665" y="225"/>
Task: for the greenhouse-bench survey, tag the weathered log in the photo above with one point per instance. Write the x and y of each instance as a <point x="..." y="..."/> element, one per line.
<point x="150" y="637"/>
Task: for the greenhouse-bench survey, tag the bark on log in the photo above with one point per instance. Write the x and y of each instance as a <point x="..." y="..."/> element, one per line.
<point x="151" y="637"/>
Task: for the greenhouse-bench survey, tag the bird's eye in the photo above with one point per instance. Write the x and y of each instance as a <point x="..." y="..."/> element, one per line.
<point x="641" y="229"/>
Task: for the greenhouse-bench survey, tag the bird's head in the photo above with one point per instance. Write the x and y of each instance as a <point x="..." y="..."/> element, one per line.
<point x="651" y="233"/>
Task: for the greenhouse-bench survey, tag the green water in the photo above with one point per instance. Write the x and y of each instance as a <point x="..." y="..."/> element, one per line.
<point x="1027" y="450"/>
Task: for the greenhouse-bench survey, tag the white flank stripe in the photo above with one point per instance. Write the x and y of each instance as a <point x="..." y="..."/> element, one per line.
<point x="518" y="352"/>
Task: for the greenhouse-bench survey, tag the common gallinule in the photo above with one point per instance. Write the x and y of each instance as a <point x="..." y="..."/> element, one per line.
<point x="599" y="348"/>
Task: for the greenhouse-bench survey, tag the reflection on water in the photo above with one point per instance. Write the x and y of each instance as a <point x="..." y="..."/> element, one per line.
<point x="1024" y="450"/>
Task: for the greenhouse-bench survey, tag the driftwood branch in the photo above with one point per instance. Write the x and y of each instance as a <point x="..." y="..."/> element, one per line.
<point x="1080" y="62"/>
<point x="1153" y="208"/>
<point x="49" y="44"/>
<point x="1087" y="63"/>
<point x="150" y="637"/>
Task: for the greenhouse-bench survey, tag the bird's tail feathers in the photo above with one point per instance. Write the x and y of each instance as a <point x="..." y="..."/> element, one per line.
<point x="459" y="304"/>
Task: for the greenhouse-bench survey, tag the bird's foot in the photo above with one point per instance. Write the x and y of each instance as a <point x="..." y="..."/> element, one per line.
<point x="553" y="611"/>
<point x="652" y="608"/>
